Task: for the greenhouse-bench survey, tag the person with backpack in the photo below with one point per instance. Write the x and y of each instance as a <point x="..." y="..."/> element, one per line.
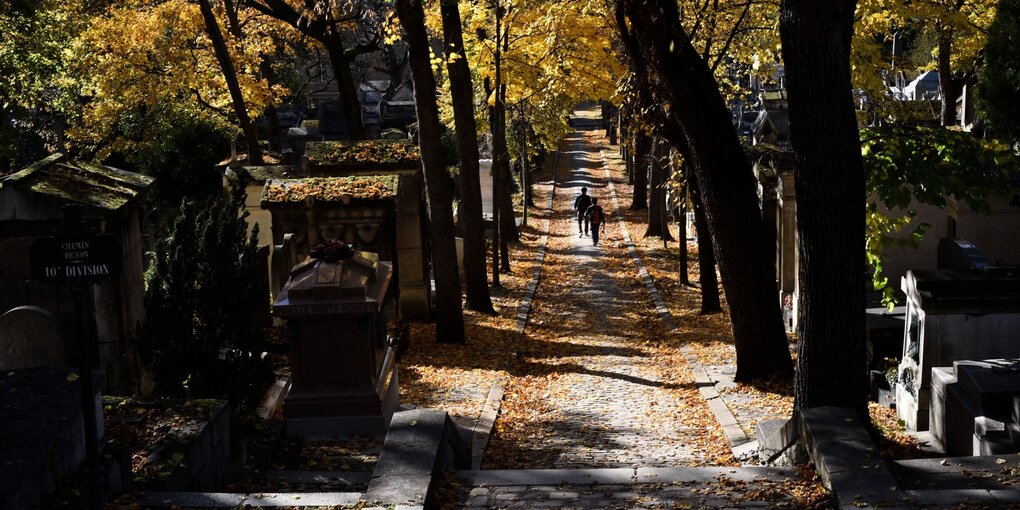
<point x="597" y="217"/>
<point x="581" y="205"/>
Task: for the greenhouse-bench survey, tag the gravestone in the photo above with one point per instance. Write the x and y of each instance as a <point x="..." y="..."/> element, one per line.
<point x="953" y="315"/>
<point x="344" y="371"/>
<point x="975" y="407"/>
<point x="31" y="336"/>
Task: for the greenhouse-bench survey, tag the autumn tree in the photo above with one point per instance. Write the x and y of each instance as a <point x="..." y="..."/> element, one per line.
<point x="831" y="366"/>
<point x="34" y="79"/>
<point x="450" y="318"/>
<point x="328" y="23"/>
<point x="998" y="91"/>
<point x="135" y="62"/>
<point x="540" y="58"/>
<point x="953" y="32"/>
<point x="226" y="62"/>
<point x="696" y="117"/>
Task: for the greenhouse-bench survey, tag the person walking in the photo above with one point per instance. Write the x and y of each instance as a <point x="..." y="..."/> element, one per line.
<point x="597" y="218"/>
<point x="581" y="205"/>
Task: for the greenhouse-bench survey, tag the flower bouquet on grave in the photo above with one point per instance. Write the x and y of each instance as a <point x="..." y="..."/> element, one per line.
<point x="332" y="251"/>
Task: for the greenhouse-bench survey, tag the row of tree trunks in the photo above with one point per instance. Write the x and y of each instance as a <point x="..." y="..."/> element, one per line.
<point x="831" y="197"/>
<point x="707" y="279"/>
<point x="470" y="210"/>
<point x="449" y="314"/>
<point x="642" y="158"/>
<point x="658" y="173"/>
<point x="699" y="118"/>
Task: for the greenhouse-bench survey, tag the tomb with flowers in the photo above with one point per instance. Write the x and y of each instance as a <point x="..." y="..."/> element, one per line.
<point x="365" y="193"/>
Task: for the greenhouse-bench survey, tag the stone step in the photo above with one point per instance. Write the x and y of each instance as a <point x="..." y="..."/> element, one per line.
<point x="620" y="475"/>
<point x="349" y="480"/>
<point x="692" y="487"/>
<point x="254" y="500"/>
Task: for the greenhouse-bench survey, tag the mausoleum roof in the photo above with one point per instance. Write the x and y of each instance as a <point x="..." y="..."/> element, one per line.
<point x="265" y="173"/>
<point x="330" y="189"/>
<point x="364" y="154"/>
<point x="90" y="184"/>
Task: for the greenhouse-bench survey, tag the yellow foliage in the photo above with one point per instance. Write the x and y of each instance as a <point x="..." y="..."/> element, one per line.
<point x="139" y="55"/>
<point x="963" y="22"/>
<point x="553" y="56"/>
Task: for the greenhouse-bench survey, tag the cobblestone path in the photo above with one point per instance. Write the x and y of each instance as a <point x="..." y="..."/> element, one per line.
<point x="599" y="412"/>
<point x="617" y="387"/>
<point x="605" y="404"/>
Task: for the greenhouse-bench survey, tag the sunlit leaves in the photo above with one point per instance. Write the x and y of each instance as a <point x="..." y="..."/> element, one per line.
<point x="138" y="56"/>
<point x="904" y="165"/>
<point x="963" y="22"/>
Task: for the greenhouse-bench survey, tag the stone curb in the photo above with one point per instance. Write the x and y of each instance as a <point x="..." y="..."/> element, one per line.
<point x="847" y="460"/>
<point x="706" y="386"/>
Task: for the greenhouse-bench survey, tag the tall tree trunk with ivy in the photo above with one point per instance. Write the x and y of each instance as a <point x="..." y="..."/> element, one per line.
<point x="707" y="279"/>
<point x="449" y="314"/>
<point x="658" y="173"/>
<point x="642" y="158"/>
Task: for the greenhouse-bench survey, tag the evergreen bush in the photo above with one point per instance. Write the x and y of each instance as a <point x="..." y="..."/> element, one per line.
<point x="199" y="338"/>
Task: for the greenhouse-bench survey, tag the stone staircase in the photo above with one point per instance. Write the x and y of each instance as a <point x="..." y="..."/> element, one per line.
<point x="681" y="487"/>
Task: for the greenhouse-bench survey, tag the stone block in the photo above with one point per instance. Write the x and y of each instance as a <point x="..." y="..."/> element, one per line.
<point x="420" y="444"/>
<point x="30" y="337"/>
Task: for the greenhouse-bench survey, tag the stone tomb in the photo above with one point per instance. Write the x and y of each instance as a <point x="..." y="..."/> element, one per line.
<point x="112" y="201"/>
<point x="975" y="407"/>
<point x="953" y="315"/>
<point x="344" y="371"/>
<point x="368" y="193"/>
<point x="33" y="337"/>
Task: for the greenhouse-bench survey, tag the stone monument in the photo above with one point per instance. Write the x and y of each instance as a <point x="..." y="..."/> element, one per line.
<point x="31" y="336"/>
<point x="953" y="315"/>
<point x="975" y="407"/>
<point x="344" y="371"/>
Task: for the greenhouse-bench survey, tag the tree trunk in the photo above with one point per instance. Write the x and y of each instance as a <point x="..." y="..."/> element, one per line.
<point x="831" y="196"/>
<point x="699" y="119"/>
<point x="470" y="209"/>
<point x="642" y="158"/>
<point x="341" y="64"/>
<point x="504" y="186"/>
<point x="658" y="173"/>
<point x="450" y="317"/>
<point x="707" y="279"/>
<point x="212" y="27"/>
<point x="625" y="142"/>
<point x="340" y="58"/>
<point x="495" y="189"/>
<point x="947" y="82"/>
<point x="684" y="276"/>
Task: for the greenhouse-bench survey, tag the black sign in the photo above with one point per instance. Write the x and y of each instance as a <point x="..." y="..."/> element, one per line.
<point x="77" y="258"/>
